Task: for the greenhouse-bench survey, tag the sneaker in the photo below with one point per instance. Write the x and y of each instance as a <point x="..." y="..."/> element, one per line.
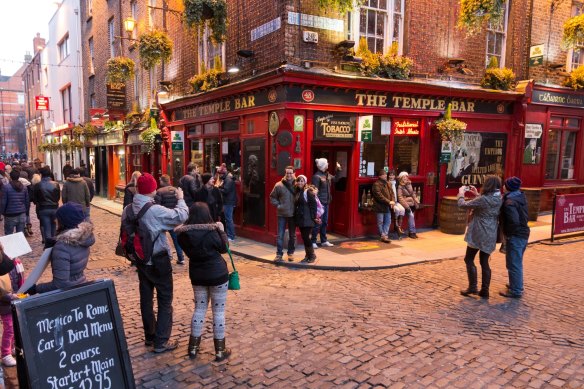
<point x="9" y="361"/>
<point x="327" y="244"/>
<point x="180" y="262"/>
<point x="168" y="346"/>
<point x="290" y="257"/>
<point x="231" y="240"/>
<point x="278" y="258"/>
<point x="314" y="246"/>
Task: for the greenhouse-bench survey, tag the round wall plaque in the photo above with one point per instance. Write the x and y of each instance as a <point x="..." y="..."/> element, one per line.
<point x="284" y="138"/>
<point x="273" y="123"/>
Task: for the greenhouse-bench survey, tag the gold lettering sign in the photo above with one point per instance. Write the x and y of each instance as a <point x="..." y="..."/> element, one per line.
<point x="433" y="104"/>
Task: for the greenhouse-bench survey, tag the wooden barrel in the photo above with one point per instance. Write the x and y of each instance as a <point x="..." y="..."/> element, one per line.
<point x="533" y="196"/>
<point x="451" y="219"/>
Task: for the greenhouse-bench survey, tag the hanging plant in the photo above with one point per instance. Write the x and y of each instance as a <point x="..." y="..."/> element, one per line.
<point x="149" y="136"/>
<point x="42" y="147"/>
<point x="207" y="79"/>
<point x="450" y="129"/>
<point x="119" y="70"/>
<point x="154" y="47"/>
<point x="89" y="130"/>
<point x="199" y="13"/>
<point x="342" y="6"/>
<point x="573" y="31"/>
<point x="576" y="79"/>
<point x="77" y="144"/>
<point x="497" y="78"/>
<point x="475" y="14"/>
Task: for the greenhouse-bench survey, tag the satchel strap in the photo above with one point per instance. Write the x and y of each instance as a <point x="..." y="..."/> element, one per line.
<point x="231" y="257"/>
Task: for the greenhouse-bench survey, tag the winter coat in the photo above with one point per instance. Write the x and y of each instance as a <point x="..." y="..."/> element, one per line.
<point x="282" y="196"/>
<point x="90" y="186"/>
<point x="129" y="192"/>
<point x="46" y="194"/>
<point x="75" y="189"/>
<point x="69" y="257"/>
<point x="514" y="216"/>
<point x="213" y="199"/>
<point x="204" y="244"/>
<point x="406" y="196"/>
<point x="481" y="232"/>
<point x="158" y="219"/>
<point x="166" y="196"/>
<point x="190" y="185"/>
<point x="15" y="200"/>
<point x="305" y="208"/>
<point x="322" y="183"/>
<point x="227" y="190"/>
<point x="382" y="196"/>
<point x="9" y="284"/>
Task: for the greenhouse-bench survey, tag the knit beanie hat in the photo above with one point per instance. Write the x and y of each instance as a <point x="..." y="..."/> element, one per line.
<point x="512" y="183"/>
<point x="321" y="163"/>
<point x="146" y="184"/>
<point x="402" y="174"/>
<point x="302" y="176"/>
<point x="70" y="215"/>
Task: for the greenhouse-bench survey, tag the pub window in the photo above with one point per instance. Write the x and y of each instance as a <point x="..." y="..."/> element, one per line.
<point x="122" y="165"/>
<point x="231" y="155"/>
<point x="111" y="37"/>
<point x="210" y="52"/>
<point x="197" y="152"/>
<point x="136" y="157"/>
<point x="211" y="155"/>
<point x="196" y="130"/>
<point x="576" y="54"/>
<point x="496" y="38"/>
<point x="561" y="147"/>
<point x="211" y="128"/>
<point x="230" y="125"/>
<point x="380" y="22"/>
<point x="374" y="153"/>
<point x="406" y="145"/>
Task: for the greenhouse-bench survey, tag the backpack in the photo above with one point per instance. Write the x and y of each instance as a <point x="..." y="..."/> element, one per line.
<point x="319" y="206"/>
<point x="135" y="238"/>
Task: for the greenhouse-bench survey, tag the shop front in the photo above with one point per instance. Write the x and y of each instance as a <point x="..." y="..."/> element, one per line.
<point x="110" y="165"/>
<point x="553" y="142"/>
<point x="260" y="127"/>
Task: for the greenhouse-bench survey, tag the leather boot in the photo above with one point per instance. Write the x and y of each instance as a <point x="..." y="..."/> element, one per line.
<point x="221" y="352"/>
<point x="485" y="283"/>
<point x="471" y="272"/>
<point x="194" y="346"/>
<point x="400" y="230"/>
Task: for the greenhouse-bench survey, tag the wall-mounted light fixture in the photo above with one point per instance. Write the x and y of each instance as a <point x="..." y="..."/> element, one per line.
<point x="241" y="54"/>
<point x="129" y="24"/>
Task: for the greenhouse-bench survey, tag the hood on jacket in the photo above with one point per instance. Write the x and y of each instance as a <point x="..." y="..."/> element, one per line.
<point x="75" y="179"/>
<point x="518" y="196"/>
<point x="80" y="236"/>
<point x="195" y="227"/>
<point x="139" y="201"/>
<point x="24" y="181"/>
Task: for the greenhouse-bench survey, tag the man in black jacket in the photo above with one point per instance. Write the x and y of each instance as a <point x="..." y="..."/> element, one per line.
<point x="227" y="189"/>
<point x="166" y="196"/>
<point x="46" y="195"/>
<point x="514" y="222"/>
<point x="190" y="183"/>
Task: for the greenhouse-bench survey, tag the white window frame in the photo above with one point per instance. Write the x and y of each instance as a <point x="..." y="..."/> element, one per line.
<point x="577" y="9"/>
<point x="134" y="14"/>
<point x="63" y="47"/>
<point x="203" y="50"/>
<point x="151" y="3"/>
<point x="503" y="32"/>
<point x="354" y="18"/>
<point x="66" y="104"/>
<point x="111" y="31"/>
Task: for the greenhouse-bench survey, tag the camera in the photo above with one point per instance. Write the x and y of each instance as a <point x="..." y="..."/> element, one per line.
<point x="466" y="188"/>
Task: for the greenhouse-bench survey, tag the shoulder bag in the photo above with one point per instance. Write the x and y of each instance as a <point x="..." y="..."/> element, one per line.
<point x="234" y="275"/>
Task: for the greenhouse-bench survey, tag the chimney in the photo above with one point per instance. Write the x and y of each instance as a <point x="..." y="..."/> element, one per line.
<point x="38" y="43"/>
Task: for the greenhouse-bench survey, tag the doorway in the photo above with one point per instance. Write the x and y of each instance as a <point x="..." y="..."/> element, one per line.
<point x="339" y="212"/>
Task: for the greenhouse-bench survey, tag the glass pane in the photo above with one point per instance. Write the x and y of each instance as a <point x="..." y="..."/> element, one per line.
<point x="556" y="121"/>
<point x="498" y="44"/>
<point x="490" y="43"/>
<point x="382" y="4"/>
<point x="552" y="155"/>
<point x="397" y="4"/>
<point x="568" y="147"/>
<point x="211" y="155"/>
<point x="373" y="158"/>
<point x="231" y="155"/>
<point x="396" y="27"/>
<point x="371" y="44"/>
<point x="370" y="22"/>
<point x="380" y="23"/>
<point x="197" y="151"/>
<point x="373" y="3"/>
<point x="379" y="46"/>
<point x="362" y="22"/>
<point x="406" y="153"/>
<point x="122" y="170"/>
<point x="572" y="123"/>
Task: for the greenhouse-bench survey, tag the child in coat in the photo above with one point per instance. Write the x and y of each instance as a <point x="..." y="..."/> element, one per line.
<point x="9" y="284"/>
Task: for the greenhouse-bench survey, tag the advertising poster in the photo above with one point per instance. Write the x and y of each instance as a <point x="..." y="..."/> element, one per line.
<point x="475" y="157"/>
<point x="569" y="215"/>
<point x="532" y="152"/>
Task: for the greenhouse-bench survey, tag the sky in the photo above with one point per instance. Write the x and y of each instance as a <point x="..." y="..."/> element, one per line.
<point x="20" y="20"/>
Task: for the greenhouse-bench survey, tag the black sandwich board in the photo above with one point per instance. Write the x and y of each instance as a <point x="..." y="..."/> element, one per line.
<point x="72" y="338"/>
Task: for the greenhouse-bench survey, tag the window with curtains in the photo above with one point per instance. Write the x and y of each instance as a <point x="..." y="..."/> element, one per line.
<point x="497" y="38"/>
<point x="576" y="54"/>
<point x="561" y="147"/>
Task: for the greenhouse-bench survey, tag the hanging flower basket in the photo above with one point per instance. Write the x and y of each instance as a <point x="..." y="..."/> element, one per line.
<point x="576" y="79"/>
<point x="573" y="31"/>
<point x="497" y="78"/>
<point x="451" y="130"/>
<point x="475" y="14"/>
<point x="154" y="47"/>
<point x="77" y="144"/>
<point x="390" y="65"/>
<point x="89" y="130"/>
<point x="199" y="13"/>
<point x="119" y="70"/>
<point x="149" y="137"/>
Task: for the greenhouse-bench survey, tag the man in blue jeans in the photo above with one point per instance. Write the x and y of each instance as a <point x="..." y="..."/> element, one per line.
<point x="282" y="196"/>
<point x="514" y="222"/>
<point x="227" y="189"/>
<point x="46" y="195"/>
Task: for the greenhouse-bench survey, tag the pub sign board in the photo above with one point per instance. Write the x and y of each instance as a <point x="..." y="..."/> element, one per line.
<point x="72" y="338"/>
<point x="334" y="126"/>
<point x="568" y="214"/>
<point x="116" y="97"/>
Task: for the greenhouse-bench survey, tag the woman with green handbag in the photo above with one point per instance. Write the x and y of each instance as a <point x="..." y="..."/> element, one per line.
<point x="203" y="241"/>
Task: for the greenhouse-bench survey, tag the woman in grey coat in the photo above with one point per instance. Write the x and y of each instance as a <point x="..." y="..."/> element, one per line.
<point x="481" y="234"/>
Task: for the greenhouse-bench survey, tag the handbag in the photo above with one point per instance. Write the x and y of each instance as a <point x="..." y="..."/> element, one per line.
<point x="233" y="283"/>
<point x="120" y="250"/>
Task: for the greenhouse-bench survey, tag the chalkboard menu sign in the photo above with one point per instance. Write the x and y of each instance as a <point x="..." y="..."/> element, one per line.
<point x="72" y="338"/>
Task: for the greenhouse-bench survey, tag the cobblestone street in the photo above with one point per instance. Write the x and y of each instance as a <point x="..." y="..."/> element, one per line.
<point x="403" y="327"/>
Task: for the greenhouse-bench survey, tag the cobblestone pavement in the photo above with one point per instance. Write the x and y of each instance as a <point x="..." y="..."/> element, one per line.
<point x="403" y="327"/>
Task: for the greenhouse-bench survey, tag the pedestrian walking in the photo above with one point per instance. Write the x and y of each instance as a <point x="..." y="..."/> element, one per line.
<point x="322" y="180"/>
<point x="514" y="218"/>
<point x="15" y="202"/>
<point x="9" y="284"/>
<point x="46" y="195"/>
<point x="408" y="199"/>
<point x="130" y="189"/>
<point x="305" y="216"/>
<point x="24" y="179"/>
<point x="227" y="189"/>
<point x="75" y="190"/>
<point x="191" y="183"/>
<point x="481" y="233"/>
<point x="398" y="210"/>
<point x="211" y="195"/>
<point x="282" y="197"/>
<point x="156" y="273"/>
<point x="67" y="170"/>
<point x="203" y="241"/>
<point x="383" y="202"/>
<point x="166" y="196"/>
<point x="84" y="174"/>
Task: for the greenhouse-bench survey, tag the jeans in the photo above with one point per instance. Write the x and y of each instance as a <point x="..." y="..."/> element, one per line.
<point x="12" y="222"/>
<point x="179" y="250"/>
<point x="321" y="228"/>
<point x="7" y="335"/>
<point x="383" y="222"/>
<point x="471" y="269"/>
<point x="411" y="221"/>
<point x="229" y="227"/>
<point x="514" y="261"/>
<point x="282" y="221"/>
<point x="48" y="222"/>
<point x="157" y="276"/>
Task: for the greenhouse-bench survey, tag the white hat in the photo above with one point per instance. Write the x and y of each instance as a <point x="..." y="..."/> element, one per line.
<point x="321" y="163"/>
<point x="302" y="176"/>
<point x="402" y="174"/>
